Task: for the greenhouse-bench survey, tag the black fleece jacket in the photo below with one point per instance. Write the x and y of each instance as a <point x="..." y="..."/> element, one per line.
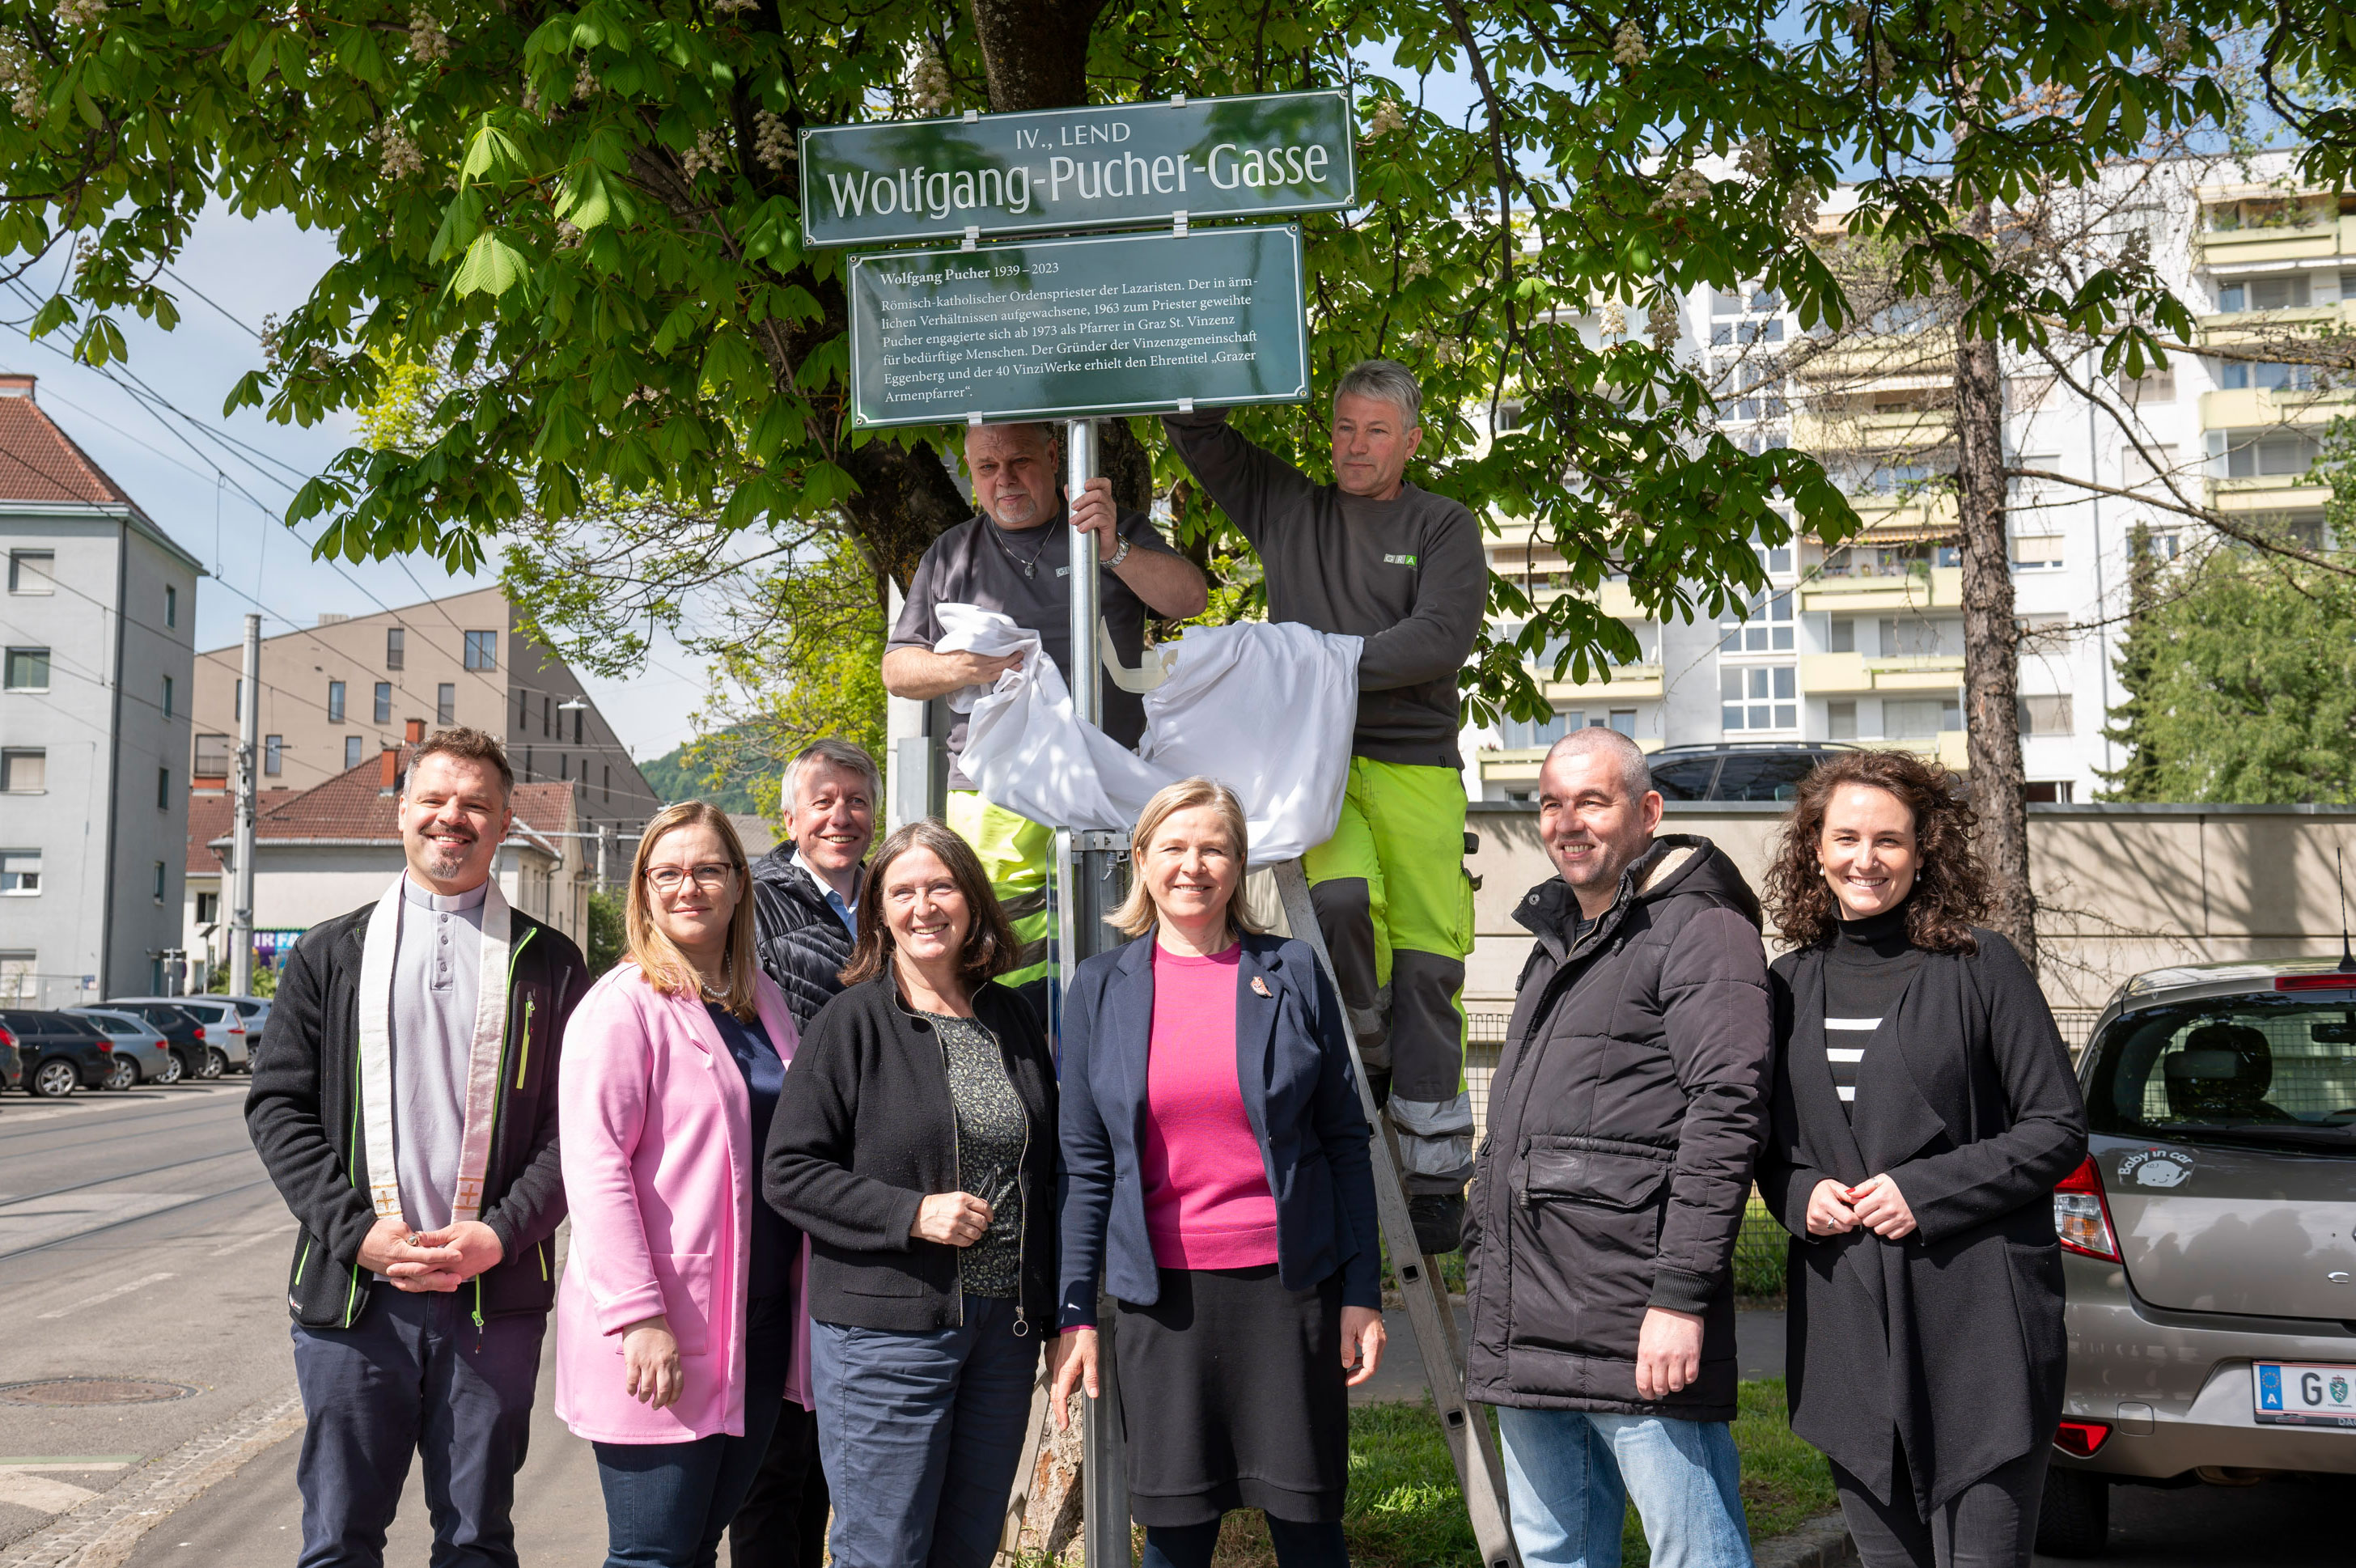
<point x="302" y="1111"/>
<point x="866" y="1131"/>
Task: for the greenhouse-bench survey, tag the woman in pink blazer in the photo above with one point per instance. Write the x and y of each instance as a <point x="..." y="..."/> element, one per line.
<point x="679" y="1327"/>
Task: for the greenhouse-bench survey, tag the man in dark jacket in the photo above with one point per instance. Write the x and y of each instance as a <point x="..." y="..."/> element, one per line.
<point x="1623" y="1120"/>
<point x="404" y="1103"/>
<point x="805" y="911"/>
<point x="806" y="891"/>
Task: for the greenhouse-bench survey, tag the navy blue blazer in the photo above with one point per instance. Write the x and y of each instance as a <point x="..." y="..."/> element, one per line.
<point x="1292" y="1063"/>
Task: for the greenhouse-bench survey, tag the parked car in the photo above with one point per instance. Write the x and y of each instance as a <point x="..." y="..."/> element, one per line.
<point x="12" y="1070"/>
<point x="58" y="1052"/>
<point x="185" y="1034"/>
<point x="141" y="1052"/>
<point x="2206" y="1240"/>
<point x="1737" y="770"/>
<point x="255" y="1011"/>
<point x="224" y="1025"/>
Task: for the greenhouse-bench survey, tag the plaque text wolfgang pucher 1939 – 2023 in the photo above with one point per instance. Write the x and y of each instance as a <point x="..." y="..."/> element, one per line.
<point x="1113" y="324"/>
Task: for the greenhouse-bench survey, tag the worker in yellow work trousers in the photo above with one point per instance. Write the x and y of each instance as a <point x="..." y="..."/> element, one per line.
<point x="1013" y="555"/>
<point x="1377" y="557"/>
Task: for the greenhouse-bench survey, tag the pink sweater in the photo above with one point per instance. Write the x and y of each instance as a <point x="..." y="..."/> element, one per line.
<point x="1207" y="1205"/>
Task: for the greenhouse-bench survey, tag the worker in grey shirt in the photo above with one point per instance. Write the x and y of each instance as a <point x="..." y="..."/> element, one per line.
<point x="1015" y="556"/>
<point x="1373" y="556"/>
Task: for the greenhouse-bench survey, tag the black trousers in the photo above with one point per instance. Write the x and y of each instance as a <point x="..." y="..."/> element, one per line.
<point x="782" y="1523"/>
<point x="1992" y="1523"/>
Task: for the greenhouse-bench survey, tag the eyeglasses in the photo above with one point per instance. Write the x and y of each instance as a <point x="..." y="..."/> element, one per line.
<point x="667" y="878"/>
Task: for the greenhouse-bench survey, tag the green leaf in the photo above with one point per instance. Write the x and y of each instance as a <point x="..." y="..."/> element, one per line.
<point x="492" y="266"/>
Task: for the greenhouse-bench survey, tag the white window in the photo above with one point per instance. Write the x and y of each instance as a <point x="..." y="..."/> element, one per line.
<point x="1523" y="734"/>
<point x="159" y="882"/>
<point x="2283" y="290"/>
<point x="1759" y="697"/>
<point x="167" y="696"/>
<point x="212" y="757"/>
<point x="1840" y="719"/>
<point x="1921" y="637"/>
<point x="274" y="755"/>
<point x="32" y="570"/>
<point x="18" y="975"/>
<point x="482" y="650"/>
<point x="1920" y="718"/>
<point x="2266" y="375"/>
<point x="171" y="605"/>
<point x="2261" y="454"/>
<point x="208" y="907"/>
<point x="2047" y="715"/>
<point x="335" y="701"/>
<point x="28" y="669"/>
<point x="1763" y="626"/>
<point x="23" y="772"/>
<point x="446" y="704"/>
<point x="20" y="871"/>
<point x="351" y="752"/>
<point x="2136" y="465"/>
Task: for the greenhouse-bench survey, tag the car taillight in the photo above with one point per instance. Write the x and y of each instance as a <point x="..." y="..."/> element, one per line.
<point x="2315" y="982"/>
<point x="2083" y="1217"/>
<point x="200" y="1031"/>
<point x="8" y="1040"/>
<point x="2081" y="1439"/>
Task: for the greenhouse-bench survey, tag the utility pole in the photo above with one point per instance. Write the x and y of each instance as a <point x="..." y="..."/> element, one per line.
<point x="249" y="728"/>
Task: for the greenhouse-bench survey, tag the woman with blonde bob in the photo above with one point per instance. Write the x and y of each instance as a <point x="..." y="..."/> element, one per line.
<point x="680" y="1328"/>
<point x="1217" y="1179"/>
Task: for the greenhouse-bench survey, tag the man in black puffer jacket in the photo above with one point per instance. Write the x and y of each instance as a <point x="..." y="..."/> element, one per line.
<point x="806" y="891"/>
<point x="804" y="909"/>
<point x="1623" y="1120"/>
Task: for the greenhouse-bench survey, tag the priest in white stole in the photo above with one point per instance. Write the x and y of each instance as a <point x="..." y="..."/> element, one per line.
<point x="405" y="1103"/>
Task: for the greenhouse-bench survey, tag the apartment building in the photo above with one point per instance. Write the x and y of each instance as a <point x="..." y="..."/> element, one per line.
<point x="1864" y="642"/>
<point x="339" y="693"/>
<point x="96" y="637"/>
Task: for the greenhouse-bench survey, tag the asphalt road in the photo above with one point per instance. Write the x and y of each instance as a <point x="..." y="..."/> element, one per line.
<point x="140" y="1242"/>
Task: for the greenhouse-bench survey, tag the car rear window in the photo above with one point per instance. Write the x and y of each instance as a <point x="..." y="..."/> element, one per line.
<point x="1764" y="776"/>
<point x="2249" y="1068"/>
<point x="1686" y="780"/>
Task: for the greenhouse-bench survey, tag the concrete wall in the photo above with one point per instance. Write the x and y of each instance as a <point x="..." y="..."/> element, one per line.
<point x="2121" y="888"/>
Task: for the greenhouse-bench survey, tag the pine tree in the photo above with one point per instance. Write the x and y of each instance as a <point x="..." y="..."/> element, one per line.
<point x="2130" y="729"/>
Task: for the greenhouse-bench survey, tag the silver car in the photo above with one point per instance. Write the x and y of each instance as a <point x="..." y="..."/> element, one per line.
<point x="141" y="1053"/>
<point x="2207" y="1240"/>
<point x="224" y="1022"/>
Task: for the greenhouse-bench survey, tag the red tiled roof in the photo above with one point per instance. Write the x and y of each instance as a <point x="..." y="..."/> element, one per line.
<point x="40" y="462"/>
<point x="214" y="817"/>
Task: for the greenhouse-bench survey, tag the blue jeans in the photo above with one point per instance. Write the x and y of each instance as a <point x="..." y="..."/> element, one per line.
<point x="1569" y="1474"/>
<point x="920" y="1433"/>
<point x="414" y="1375"/>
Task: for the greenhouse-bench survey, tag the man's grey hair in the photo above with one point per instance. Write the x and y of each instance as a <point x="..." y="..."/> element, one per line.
<point x="1039" y="430"/>
<point x="1388" y="380"/>
<point x="837" y="753"/>
<point x="1635" y="773"/>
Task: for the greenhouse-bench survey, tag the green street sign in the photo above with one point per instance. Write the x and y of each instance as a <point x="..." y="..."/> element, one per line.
<point x="1067" y="328"/>
<point x="1116" y="166"/>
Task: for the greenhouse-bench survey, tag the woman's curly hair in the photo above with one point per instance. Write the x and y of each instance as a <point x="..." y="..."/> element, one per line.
<point x="1950" y="889"/>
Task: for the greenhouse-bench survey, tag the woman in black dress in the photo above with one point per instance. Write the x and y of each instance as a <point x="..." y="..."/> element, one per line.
<point x="1923" y="1108"/>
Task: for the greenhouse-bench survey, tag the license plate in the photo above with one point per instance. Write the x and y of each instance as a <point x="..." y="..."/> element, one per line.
<point x="2304" y="1393"/>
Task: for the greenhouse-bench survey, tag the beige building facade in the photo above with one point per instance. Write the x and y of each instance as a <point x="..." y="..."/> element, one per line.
<point x="336" y="694"/>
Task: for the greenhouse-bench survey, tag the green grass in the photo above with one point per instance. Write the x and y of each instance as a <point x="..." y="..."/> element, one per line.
<point x="1405" y="1511"/>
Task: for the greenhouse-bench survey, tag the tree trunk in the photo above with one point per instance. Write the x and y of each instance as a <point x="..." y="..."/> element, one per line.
<point x="1991" y="638"/>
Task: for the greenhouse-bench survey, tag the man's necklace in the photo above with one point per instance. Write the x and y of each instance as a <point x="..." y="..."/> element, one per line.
<point x="1030" y="567"/>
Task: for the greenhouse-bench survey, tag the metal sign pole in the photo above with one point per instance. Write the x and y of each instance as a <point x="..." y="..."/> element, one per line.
<point x="1480" y="1470"/>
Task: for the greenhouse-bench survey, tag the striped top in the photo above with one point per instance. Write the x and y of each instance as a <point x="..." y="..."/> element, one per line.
<point x="1865" y="973"/>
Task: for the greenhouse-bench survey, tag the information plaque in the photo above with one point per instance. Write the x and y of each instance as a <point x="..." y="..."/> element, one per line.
<point x="1070" y="328"/>
<point x="1109" y="166"/>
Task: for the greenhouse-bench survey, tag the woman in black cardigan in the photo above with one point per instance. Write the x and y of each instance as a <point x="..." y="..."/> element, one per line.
<point x="1923" y="1108"/>
<point x="914" y="1143"/>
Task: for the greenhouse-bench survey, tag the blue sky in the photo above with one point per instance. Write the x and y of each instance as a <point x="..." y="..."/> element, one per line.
<point x="167" y="442"/>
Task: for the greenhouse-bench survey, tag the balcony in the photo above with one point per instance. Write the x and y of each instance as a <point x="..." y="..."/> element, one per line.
<point x="1898" y="430"/>
<point x="2254" y="408"/>
<point x="2269" y="492"/>
<point x="1842" y="674"/>
<point x="1519" y="770"/>
<point x="1941" y="587"/>
<point x="1629" y="682"/>
<point x="2254" y="326"/>
<point x="2223" y="249"/>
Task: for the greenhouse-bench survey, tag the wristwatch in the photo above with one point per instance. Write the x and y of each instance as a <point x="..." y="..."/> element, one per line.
<point x="1120" y="555"/>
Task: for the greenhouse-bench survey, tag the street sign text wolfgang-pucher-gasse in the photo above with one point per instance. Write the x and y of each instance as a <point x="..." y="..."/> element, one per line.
<point x="1062" y="169"/>
<point x="1111" y="324"/>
